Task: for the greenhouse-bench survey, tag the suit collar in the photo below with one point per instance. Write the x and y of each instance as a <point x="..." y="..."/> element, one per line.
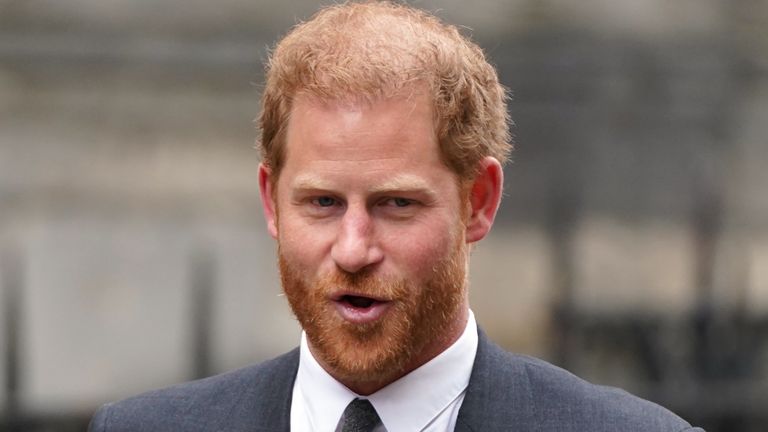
<point x="498" y="396"/>
<point x="267" y="401"/>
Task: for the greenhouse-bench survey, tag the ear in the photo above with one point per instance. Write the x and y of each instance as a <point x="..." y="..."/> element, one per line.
<point x="267" y="200"/>
<point x="484" y="198"/>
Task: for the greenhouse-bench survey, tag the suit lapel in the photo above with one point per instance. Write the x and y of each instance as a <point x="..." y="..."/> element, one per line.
<point x="266" y="404"/>
<point x="497" y="398"/>
<point x="498" y="395"/>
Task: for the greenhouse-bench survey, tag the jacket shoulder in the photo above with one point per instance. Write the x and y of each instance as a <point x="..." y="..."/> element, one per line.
<point x="516" y="392"/>
<point x="559" y="397"/>
<point x="260" y="391"/>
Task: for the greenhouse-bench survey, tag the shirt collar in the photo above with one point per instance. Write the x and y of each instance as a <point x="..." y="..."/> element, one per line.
<point x="410" y="403"/>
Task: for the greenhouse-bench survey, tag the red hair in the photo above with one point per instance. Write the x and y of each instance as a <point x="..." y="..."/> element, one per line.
<point x="371" y="50"/>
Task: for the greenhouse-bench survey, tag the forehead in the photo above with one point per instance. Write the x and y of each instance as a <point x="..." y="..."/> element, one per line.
<point x="399" y="127"/>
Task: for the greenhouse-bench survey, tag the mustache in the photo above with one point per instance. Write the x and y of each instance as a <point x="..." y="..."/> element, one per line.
<point x="363" y="283"/>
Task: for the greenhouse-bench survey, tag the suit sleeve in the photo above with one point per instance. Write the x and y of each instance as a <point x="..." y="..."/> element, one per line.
<point x="100" y="419"/>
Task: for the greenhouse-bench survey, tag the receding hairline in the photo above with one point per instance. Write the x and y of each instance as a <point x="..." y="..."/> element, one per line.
<point x="409" y="93"/>
<point x="369" y="50"/>
<point x="415" y="94"/>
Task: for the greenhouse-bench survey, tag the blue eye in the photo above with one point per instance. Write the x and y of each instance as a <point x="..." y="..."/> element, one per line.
<point x="401" y="202"/>
<point x="325" y="201"/>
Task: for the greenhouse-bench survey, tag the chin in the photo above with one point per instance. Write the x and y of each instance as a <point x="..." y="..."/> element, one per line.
<point x="379" y="352"/>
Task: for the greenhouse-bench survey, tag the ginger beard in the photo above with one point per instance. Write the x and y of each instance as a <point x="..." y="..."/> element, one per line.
<point x="380" y="351"/>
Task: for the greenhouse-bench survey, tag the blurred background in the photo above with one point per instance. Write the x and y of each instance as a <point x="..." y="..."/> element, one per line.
<point x="631" y="247"/>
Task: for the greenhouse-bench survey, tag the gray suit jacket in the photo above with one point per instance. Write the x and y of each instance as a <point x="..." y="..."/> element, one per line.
<point x="506" y="392"/>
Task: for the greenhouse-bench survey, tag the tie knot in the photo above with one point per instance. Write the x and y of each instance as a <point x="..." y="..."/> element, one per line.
<point x="359" y="416"/>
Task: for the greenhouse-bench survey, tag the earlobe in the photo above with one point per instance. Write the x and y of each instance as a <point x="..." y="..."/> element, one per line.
<point x="267" y="199"/>
<point x="484" y="198"/>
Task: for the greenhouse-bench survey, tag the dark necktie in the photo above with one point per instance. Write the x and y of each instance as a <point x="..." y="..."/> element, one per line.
<point x="359" y="416"/>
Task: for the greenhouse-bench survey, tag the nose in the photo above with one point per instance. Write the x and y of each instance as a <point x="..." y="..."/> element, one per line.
<point x="355" y="247"/>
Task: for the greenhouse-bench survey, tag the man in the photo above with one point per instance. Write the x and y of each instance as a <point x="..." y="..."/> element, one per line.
<point x="384" y="132"/>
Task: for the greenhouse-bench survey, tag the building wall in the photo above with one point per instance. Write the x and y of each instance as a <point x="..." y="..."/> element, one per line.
<point x="126" y="151"/>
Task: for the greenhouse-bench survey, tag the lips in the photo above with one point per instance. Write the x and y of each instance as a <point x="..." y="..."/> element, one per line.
<point x="360" y="309"/>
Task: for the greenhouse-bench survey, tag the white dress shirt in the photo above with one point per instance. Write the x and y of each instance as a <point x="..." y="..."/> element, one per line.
<point x="427" y="399"/>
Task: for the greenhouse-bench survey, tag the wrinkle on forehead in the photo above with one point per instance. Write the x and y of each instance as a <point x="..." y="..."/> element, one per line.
<point x="399" y="182"/>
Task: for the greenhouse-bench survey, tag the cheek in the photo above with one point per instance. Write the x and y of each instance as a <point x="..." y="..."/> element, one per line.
<point x="304" y="246"/>
<point x="419" y="251"/>
<point x="291" y="247"/>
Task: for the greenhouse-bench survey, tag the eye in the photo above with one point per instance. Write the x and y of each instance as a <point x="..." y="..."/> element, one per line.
<point x="397" y="202"/>
<point x="401" y="202"/>
<point x="324" y="201"/>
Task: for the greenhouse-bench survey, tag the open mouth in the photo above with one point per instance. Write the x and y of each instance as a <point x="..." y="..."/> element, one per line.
<point x="361" y="309"/>
<point x="358" y="301"/>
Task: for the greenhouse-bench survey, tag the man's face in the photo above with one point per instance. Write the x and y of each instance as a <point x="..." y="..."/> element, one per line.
<point x="371" y="238"/>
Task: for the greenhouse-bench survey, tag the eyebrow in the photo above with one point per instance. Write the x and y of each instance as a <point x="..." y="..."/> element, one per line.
<point x="403" y="183"/>
<point x="400" y="183"/>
